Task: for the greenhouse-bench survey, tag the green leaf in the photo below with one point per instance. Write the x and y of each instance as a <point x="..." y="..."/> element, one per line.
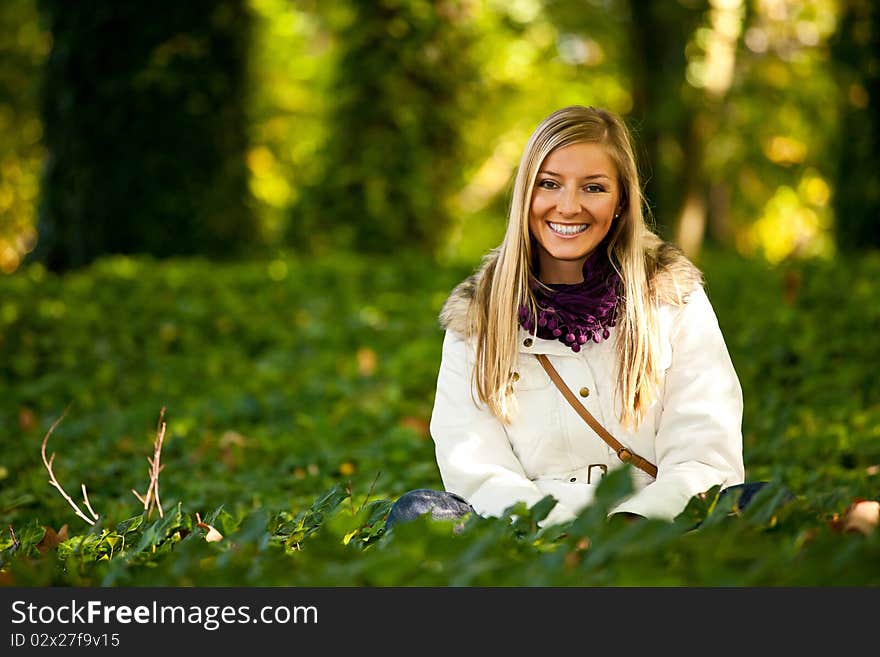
<point x="698" y="508"/>
<point x="766" y="503"/>
<point x="613" y="487"/>
<point x="130" y="525"/>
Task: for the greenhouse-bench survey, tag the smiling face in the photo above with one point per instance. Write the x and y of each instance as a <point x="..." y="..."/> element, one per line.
<point x="575" y="198"/>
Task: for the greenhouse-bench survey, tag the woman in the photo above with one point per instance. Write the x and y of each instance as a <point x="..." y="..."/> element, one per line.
<point x="619" y="314"/>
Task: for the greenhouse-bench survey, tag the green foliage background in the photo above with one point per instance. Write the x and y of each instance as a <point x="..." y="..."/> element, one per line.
<point x="357" y="157"/>
<point x="403" y="120"/>
<point x="295" y="419"/>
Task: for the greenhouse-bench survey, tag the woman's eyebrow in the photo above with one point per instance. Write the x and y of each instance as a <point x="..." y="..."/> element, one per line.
<point x="590" y="177"/>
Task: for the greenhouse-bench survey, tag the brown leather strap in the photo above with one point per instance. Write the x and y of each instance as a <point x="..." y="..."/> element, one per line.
<point x="623" y="453"/>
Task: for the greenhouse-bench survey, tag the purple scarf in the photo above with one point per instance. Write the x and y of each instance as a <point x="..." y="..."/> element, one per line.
<point x="576" y="312"/>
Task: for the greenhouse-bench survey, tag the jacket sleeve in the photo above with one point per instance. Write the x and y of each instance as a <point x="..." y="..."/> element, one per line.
<point x="699" y="436"/>
<point x="473" y="452"/>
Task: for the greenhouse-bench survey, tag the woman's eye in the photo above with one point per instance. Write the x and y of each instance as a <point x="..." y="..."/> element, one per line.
<point x="548" y="184"/>
<point x="594" y="188"/>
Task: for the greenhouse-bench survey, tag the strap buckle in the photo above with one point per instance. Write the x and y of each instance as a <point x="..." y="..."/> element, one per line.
<point x="590" y="467"/>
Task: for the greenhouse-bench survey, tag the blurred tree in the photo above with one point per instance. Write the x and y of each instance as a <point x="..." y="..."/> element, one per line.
<point x="856" y="58"/>
<point x="652" y="43"/>
<point x="289" y="68"/>
<point x="535" y="56"/>
<point x="768" y="160"/>
<point x="392" y="153"/>
<point x="724" y="89"/>
<point x="23" y="47"/>
<point x="664" y="105"/>
<point x="143" y="106"/>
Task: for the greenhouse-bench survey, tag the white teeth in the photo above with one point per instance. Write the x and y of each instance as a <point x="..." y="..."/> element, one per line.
<point x="566" y="229"/>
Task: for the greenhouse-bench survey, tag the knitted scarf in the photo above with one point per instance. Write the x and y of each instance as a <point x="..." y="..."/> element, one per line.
<point x="574" y="313"/>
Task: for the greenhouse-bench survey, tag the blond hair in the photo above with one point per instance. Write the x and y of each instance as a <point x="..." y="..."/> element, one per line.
<point x="632" y="249"/>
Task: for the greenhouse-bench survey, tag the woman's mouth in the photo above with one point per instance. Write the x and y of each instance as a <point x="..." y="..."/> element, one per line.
<point x="567" y="230"/>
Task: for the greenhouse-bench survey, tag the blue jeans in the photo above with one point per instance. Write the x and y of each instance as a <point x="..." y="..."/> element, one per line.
<point x="443" y="505"/>
<point x="439" y="503"/>
<point x="748" y="492"/>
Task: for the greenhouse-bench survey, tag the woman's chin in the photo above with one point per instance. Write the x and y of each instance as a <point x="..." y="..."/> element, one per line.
<point x="570" y="252"/>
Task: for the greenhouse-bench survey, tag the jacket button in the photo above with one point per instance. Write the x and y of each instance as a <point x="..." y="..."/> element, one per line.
<point x="527" y="342"/>
<point x="585" y="391"/>
<point x="573" y="479"/>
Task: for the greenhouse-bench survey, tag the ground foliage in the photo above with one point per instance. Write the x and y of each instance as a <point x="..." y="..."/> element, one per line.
<point x="297" y="395"/>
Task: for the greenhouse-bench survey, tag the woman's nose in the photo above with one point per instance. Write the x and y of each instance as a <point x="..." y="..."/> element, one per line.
<point x="568" y="203"/>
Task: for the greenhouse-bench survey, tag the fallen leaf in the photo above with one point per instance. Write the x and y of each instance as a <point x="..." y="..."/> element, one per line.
<point x="230" y="438"/>
<point x="791" y="286"/>
<point x="366" y="361"/>
<point x="862" y="516"/>
<point x="213" y="535"/>
<point x="417" y="424"/>
<point x="26" y="419"/>
<point x="51" y="539"/>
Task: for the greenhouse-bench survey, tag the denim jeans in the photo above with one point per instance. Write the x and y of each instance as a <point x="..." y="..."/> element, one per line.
<point x="439" y="503"/>
<point x="749" y="489"/>
<point x="443" y="505"/>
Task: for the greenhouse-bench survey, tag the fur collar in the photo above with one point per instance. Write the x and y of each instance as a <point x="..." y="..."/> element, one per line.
<point x="673" y="276"/>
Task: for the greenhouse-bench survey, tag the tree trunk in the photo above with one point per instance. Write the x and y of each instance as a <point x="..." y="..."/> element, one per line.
<point x="691" y="223"/>
<point x="392" y="157"/>
<point x="857" y="186"/>
<point x="143" y="108"/>
<point x="662" y="114"/>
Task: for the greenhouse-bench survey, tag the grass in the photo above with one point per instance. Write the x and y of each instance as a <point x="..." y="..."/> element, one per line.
<point x="298" y="393"/>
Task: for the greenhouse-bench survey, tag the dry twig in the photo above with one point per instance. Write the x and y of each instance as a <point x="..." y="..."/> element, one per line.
<point x="88" y="505"/>
<point x="370" y="492"/>
<point x="54" y="481"/>
<point x="15" y="542"/>
<point x="151" y="497"/>
<point x="350" y="497"/>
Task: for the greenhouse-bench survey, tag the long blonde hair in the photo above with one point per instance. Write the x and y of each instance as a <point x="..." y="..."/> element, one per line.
<point x="631" y="248"/>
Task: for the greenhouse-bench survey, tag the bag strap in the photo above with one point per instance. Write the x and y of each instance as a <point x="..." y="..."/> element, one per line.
<point x="623" y="453"/>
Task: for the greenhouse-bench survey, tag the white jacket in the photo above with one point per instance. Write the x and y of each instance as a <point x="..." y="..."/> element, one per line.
<point x="692" y="433"/>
